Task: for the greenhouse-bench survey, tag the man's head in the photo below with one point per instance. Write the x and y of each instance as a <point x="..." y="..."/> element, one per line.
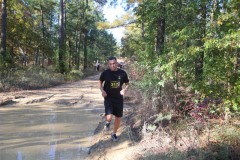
<point x="112" y="63"/>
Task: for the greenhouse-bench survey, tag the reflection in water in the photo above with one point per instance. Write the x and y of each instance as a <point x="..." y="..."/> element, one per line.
<point x="52" y="152"/>
<point x="46" y="132"/>
<point x="79" y="150"/>
<point x="19" y="155"/>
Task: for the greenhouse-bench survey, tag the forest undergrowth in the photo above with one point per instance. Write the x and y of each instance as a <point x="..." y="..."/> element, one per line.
<point x="35" y="77"/>
<point x="171" y="124"/>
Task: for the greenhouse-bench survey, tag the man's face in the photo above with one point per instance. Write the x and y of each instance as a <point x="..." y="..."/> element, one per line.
<point x="113" y="65"/>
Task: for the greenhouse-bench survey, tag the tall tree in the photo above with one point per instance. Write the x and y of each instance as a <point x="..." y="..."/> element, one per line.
<point x="160" y="28"/>
<point x="85" y="30"/>
<point x="62" y="38"/>
<point x="4" y="29"/>
<point x="202" y="31"/>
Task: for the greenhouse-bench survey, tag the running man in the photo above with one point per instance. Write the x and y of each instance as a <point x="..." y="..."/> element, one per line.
<point x="97" y="65"/>
<point x="113" y="92"/>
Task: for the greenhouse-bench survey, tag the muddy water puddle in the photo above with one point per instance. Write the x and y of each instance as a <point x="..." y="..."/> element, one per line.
<point x="47" y="131"/>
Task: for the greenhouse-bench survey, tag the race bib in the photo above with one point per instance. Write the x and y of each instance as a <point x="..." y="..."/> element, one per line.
<point x="115" y="84"/>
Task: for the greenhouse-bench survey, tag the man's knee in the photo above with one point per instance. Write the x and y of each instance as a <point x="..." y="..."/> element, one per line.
<point x="109" y="117"/>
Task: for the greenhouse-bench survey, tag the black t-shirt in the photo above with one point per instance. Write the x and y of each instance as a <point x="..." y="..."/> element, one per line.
<point x="113" y="81"/>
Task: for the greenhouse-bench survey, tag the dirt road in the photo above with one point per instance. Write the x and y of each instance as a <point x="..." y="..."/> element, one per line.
<point x="59" y="123"/>
<point x="52" y="123"/>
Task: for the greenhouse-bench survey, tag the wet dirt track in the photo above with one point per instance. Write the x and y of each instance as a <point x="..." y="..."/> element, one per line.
<point x="50" y="124"/>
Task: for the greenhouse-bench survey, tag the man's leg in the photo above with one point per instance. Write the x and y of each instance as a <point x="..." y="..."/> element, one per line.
<point x="109" y="118"/>
<point x="108" y="121"/>
<point x="108" y="113"/>
<point x="116" y="124"/>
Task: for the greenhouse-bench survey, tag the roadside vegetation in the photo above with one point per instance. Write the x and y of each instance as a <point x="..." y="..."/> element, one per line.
<point x="185" y="62"/>
<point x="179" y="124"/>
<point x="35" y="77"/>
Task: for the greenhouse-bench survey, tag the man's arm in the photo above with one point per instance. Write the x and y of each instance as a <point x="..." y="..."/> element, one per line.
<point x="104" y="94"/>
<point x="126" y="86"/>
<point x="123" y="91"/>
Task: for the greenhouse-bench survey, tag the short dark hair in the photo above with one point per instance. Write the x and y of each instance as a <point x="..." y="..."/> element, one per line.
<point x="112" y="58"/>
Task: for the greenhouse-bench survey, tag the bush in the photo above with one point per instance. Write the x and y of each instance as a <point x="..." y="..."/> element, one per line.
<point x="29" y="78"/>
<point x="73" y="75"/>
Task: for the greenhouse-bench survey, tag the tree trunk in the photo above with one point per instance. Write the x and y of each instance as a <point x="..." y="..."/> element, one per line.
<point x="43" y="35"/>
<point x="142" y="23"/>
<point x="200" y="56"/>
<point x="161" y="29"/>
<point x="199" y="67"/>
<point x="4" y="31"/>
<point x="177" y="65"/>
<point x="61" y="39"/>
<point x="238" y="62"/>
<point x="85" y="50"/>
<point x="70" y="55"/>
<point x="76" y="58"/>
<point x="143" y="30"/>
<point x="79" y="49"/>
<point x="85" y="38"/>
<point x="37" y="57"/>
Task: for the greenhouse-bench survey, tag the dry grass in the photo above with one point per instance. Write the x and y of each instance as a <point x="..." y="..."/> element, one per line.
<point x="36" y="78"/>
<point x="162" y="132"/>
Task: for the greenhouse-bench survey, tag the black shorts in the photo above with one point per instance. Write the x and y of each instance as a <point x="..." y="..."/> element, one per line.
<point x="113" y="107"/>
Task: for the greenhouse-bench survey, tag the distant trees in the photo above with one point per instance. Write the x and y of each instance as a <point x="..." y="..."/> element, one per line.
<point x="61" y="33"/>
<point x="4" y="29"/>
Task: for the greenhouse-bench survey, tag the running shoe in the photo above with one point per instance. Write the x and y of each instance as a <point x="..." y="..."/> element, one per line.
<point x="114" y="137"/>
<point x="107" y="126"/>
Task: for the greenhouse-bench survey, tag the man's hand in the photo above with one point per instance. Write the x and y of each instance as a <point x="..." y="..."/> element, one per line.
<point x="123" y="91"/>
<point x="104" y="94"/>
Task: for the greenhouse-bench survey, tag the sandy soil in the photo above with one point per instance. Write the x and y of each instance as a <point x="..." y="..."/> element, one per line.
<point x="70" y="94"/>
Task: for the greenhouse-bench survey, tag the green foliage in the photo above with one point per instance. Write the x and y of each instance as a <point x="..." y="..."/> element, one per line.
<point x="151" y="128"/>
<point x="73" y="75"/>
<point x="33" y="26"/>
<point x="161" y="117"/>
<point x="216" y="37"/>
